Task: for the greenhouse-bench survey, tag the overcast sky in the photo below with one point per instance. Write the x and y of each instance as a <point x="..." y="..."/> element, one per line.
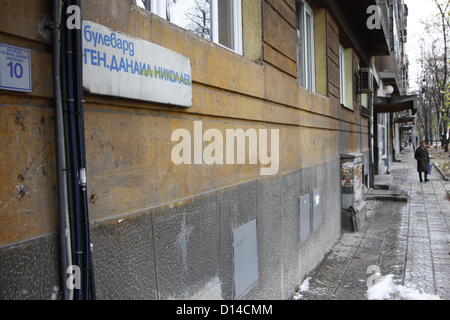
<point x="418" y="10"/>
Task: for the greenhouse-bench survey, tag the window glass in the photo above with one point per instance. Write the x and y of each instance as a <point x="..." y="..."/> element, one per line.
<point x="226" y="28"/>
<point x="342" y="75"/>
<point x="192" y="15"/>
<point x="305" y="46"/>
<point x="300" y="43"/>
<point x="309" y="55"/>
<point x="215" y="20"/>
<point x="143" y="4"/>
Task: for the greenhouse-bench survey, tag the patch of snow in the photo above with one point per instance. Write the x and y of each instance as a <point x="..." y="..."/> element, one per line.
<point x="383" y="289"/>
<point x="297" y="296"/>
<point x="303" y="288"/>
<point x="305" y="285"/>
<point x="413" y="294"/>
<point x="386" y="289"/>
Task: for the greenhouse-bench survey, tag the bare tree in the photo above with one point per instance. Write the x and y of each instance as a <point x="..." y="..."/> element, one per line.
<point x="442" y="81"/>
<point x="197" y="17"/>
<point x="434" y="113"/>
<point x="200" y="18"/>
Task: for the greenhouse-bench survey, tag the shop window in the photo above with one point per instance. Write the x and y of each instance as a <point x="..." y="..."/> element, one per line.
<point x="214" y="20"/>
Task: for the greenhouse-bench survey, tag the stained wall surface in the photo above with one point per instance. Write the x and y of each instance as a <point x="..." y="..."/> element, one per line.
<point x="161" y="230"/>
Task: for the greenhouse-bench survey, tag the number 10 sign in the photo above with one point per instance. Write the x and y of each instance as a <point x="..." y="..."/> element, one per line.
<point x="15" y="68"/>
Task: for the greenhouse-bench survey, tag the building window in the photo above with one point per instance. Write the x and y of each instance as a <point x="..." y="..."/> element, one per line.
<point x="342" y="75"/>
<point x="346" y="77"/>
<point x="214" y="20"/>
<point x="305" y="45"/>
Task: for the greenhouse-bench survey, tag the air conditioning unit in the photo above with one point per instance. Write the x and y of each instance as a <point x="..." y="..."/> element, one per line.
<point x="365" y="80"/>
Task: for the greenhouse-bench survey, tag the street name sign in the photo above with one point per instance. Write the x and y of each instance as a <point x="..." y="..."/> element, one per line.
<point x="115" y="64"/>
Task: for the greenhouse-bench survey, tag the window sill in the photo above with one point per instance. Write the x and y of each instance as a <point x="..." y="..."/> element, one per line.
<point x="225" y="47"/>
<point x="348" y="108"/>
<point x="306" y="89"/>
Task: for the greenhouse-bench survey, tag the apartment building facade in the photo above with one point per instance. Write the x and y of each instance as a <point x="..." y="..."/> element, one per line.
<point x="394" y="109"/>
<point x="166" y="230"/>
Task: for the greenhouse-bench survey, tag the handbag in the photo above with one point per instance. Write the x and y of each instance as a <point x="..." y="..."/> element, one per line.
<point x="430" y="166"/>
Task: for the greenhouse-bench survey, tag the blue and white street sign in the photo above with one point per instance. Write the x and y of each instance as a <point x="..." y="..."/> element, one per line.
<point x="15" y="68"/>
<point x="119" y="65"/>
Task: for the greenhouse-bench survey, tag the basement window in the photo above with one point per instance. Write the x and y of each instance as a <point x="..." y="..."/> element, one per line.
<point x="305" y="46"/>
<point x="219" y="21"/>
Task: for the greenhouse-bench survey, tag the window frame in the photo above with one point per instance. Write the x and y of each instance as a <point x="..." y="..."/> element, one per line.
<point x="349" y="89"/>
<point x="158" y="7"/>
<point x="237" y="25"/>
<point x="306" y="65"/>
<point x="342" y="86"/>
<point x="384" y="136"/>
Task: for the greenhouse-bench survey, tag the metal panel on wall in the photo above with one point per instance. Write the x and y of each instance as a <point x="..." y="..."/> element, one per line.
<point x="245" y="257"/>
<point x="317" y="212"/>
<point x="305" y="217"/>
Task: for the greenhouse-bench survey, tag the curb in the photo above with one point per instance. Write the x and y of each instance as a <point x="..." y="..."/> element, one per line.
<point x="387" y="198"/>
<point x="440" y="171"/>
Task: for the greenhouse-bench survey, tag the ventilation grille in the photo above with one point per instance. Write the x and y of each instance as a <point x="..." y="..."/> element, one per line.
<point x="365" y="81"/>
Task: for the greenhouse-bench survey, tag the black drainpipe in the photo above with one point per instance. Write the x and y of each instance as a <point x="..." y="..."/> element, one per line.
<point x="371" y="142"/>
<point x="77" y="179"/>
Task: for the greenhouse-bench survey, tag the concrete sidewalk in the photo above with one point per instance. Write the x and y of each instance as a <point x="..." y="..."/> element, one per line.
<point x="410" y="240"/>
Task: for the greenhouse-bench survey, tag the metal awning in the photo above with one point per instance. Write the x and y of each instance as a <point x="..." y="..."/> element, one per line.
<point x="395" y="104"/>
<point x="405" y="119"/>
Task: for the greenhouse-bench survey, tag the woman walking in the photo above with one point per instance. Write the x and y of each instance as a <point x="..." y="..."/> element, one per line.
<point x="423" y="160"/>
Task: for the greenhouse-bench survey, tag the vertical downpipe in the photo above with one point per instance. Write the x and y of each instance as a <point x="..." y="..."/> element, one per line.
<point x="371" y="141"/>
<point x="63" y="210"/>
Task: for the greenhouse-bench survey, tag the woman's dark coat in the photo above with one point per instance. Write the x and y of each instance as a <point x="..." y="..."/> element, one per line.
<point x="423" y="159"/>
